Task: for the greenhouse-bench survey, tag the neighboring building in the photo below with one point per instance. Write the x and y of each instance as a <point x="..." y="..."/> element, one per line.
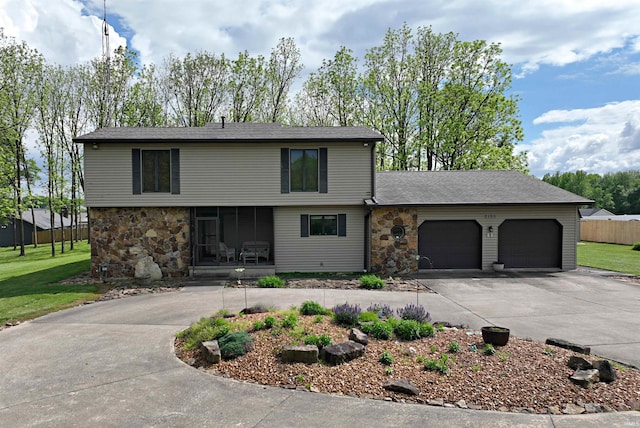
<point x="42" y="223"/>
<point x="307" y="199"/>
<point x="594" y="212"/>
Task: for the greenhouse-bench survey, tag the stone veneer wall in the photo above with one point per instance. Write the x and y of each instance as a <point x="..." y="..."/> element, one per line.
<point x="121" y="236"/>
<point x="390" y="256"/>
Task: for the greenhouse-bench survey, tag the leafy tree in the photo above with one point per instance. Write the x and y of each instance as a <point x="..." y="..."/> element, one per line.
<point x="247" y="87"/>
<point x="283" y="68"/>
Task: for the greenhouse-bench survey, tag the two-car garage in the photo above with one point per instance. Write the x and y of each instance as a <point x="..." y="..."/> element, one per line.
<point x="521" y="243"/>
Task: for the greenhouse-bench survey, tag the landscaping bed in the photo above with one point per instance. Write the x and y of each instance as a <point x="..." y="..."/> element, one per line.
<point x="523" y="376"/>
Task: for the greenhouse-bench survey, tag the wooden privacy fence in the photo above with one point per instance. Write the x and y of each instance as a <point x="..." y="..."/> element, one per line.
<point x="44" y="237"/>
<point x="610" y="231"/>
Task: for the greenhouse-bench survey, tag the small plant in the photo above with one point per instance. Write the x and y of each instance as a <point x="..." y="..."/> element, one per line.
<point x="289" y="321"/>
<point x="270" y="321"/>
<point x="381" y="330"/>
<point x="408" y="329"/>
<point x="420" y="359"/>
<point x="312" y="308"/>
<point x="346" y="314"/>
<point x="488" y="349"/>
<point x="426" y="330"/>
<point x="473" y="348"/>
<point x="371" y="282"/>
<point x="388" y="371"/>
<point x="636" y="246"/>
<point x="300" y="378"/>
<point x="383" y="311"/>
<point x="439" y="365"/>
<point x="222" y="313"/>
<point x="414" y="312"/>
<point x="440" y="327"/>
<point x="368" y="317"/>
<point x="258" y="325"/>
<point x="454" y="347"/>
<point x="476" y="368"/>
<point x="318" y="319"/>
<point x="233" y="345"/>
<point x="433" y="349"/>
<point x="271" y="281"/>
<point x="320" y="341"/>
<point x="386" y="358"/>
<point x="549" y="351"/>
<point x="204" y="330"/>
<point x="504" y="356"/>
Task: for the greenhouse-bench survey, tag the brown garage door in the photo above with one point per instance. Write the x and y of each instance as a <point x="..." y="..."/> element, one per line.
<point x="450" y="244"/>
<point x="530" y="244"/>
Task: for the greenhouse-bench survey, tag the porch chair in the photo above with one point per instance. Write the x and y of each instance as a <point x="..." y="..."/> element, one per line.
<point x="226" y="252"/>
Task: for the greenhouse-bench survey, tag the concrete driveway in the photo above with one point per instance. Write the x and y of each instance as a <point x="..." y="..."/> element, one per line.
<point x="112" y="363"/>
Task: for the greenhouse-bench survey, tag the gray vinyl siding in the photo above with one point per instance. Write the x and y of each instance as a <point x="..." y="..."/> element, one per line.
<point x="294" y="253"/>
<point x="222" y="174"/>
<point x="566" y="215"/>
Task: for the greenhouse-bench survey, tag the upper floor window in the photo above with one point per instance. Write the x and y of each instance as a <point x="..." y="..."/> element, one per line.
<point x="303" y="170"/>
<point x="156" y="171"/>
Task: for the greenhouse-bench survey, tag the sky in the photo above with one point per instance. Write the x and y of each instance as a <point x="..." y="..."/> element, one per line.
<point x="576" y="63"/>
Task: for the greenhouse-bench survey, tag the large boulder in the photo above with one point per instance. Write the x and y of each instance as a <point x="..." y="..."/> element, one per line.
<point x="607" y="372"/>
<point x="147" y="268"/>
<point x="402" y="386"/>
<point x="579" y="363"/>
<point x="358" y="336"/>
<point x="211" y="351"/>
<point x="585" y="378"/>
<point x="342" y="352"/>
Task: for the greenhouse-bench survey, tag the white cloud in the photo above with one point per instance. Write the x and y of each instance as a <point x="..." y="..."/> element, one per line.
<point x="599" y="140"/>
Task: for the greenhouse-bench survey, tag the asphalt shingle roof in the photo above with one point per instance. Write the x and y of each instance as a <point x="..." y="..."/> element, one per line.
<point x="467" y="188"/>
<point x="232" y="132"/>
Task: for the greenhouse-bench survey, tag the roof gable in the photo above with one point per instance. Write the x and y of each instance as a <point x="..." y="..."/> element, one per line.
<point x="476" y="187"/>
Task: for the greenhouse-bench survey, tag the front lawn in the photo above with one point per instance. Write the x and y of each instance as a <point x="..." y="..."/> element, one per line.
<point x="27" y="284"/>
<point x="618" y="258"/>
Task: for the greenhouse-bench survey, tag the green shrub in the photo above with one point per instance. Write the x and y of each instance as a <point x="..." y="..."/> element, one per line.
<point x="203" y="331"/>
<point x="318" y="319"/>
<point x="386" y="358"/>
<point x="408" y="330"/>
<point x="270" y="321"/>
<point x="312" y="308"/>
<point x="233" y="345"/>
<point x="488" y="349"/>
<point x="381" y="330"/>
<point x="426" y="329"/>
<point x="289" y="321"/>
<point x="320" y="341"/>
<point x="368" y="317"/>
<point x="437" y="365"/>
<point x="636" y="246"/>
<point x="454" y="347"/>
<point x="258" y="325"/>
<point x="371" y="282"/>
<point x="271" y="281"/>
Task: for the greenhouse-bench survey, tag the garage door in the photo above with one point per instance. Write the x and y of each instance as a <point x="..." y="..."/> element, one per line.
<point x="530" y="244"/>
<point x="450" y="244"/>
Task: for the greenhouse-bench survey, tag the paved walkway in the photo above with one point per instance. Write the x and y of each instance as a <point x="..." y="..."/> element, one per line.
<point x="112" y="363"/>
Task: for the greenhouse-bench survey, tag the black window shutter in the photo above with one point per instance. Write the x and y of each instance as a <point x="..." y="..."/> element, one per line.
<point x="342" y="225"/>
<point x="304" y="225"/>
<point x="323" y="187"/>
<point x="284" y="170"/>
<point x="135" y="171"/>
<point x="175" y="171"/>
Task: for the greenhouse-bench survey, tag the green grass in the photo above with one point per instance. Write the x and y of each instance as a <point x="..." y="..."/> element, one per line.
<point x="618" y="258"/>
<point x="27" y="284"/>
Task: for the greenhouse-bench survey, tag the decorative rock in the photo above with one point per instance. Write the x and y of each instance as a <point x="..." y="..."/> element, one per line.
<point x="572" y="409"/>
<point x="307" y="354"/>
<point x="211" y="351"/>
<point x="568" y="345"/>
<point x="402" y="386"/>
<point x="475" y="407"/>
<point x="592" y="408"/>
<point x="410" y="352"/>
<point x="554" y="410"/>
<point x="585" y="378"/>
<point x="147" y="268"/>
<point x="436" y="402"/>
<point x="358" y="336"/>
<point x="342" y="352"/>
<point x="579" y="363"/>
<point x="462" y="404"/>
<point x="607" y="372"/>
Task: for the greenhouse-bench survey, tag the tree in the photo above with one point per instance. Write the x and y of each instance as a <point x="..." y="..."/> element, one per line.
<point x="283" y="68"/>
<point x="20" y="73"/>
<point x="194" y="88"/>
<point x="247" y="87"/>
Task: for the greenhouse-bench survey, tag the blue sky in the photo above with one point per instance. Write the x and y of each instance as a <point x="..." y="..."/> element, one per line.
<point x="576" y="63"/>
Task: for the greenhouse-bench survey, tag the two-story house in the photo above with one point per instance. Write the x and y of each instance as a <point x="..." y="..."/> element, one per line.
<point x="273" y="198"/>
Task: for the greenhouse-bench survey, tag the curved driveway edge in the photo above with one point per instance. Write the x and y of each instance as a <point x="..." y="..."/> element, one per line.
<point x="112" y="363"/>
